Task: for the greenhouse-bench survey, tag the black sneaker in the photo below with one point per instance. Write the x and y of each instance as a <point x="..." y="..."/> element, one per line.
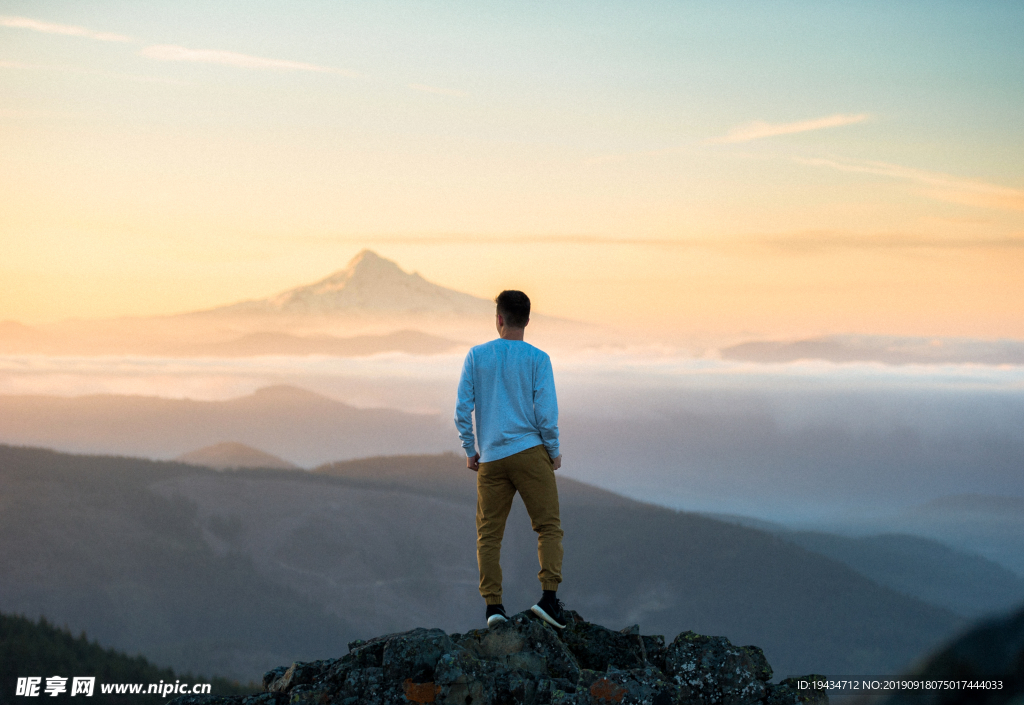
<point x="549" y="608"/>
<point x="495" y="615"/>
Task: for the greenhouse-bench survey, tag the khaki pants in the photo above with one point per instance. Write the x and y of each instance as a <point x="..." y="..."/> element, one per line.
<point x="531" y="473"/>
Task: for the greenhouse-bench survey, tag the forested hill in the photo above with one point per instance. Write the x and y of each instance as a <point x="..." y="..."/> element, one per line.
<point x="40" y="649"/>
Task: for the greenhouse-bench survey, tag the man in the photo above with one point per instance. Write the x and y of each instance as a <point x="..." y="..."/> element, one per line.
<point x="510" y="386"/>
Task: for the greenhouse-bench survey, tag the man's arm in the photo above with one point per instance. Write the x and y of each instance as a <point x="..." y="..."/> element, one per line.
<point x="464" y="413"/>
<point x="545" y="407"/>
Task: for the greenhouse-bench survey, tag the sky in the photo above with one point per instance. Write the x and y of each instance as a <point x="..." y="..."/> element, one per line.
<point x="721" y="168"/>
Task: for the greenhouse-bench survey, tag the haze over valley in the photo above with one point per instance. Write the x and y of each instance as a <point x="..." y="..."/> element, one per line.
<point x="854" y="446"/>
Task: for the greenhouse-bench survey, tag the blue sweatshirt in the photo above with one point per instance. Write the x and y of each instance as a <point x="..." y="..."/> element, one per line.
<point x="510" y="385"/>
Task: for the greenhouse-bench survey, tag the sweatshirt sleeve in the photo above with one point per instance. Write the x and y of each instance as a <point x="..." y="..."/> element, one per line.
<point x="464" y="407"/>
<point x="545" y="406"/>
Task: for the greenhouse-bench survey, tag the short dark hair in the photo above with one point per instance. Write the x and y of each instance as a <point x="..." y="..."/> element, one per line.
<point x="514" y="307"/>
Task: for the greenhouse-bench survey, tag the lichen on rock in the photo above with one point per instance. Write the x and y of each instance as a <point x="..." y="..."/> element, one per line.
<point x="525" y="661"/>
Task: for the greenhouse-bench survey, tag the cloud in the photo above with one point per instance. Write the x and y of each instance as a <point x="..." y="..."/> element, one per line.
<point x="791" y="242"/>
<point x="66" y="29"/>
<point x="170" y="52"/>
<point x="437" y="91"/>
<point x="759" y="130"/>
<point x="832" y="240"/>
<point x="937" y="185"/>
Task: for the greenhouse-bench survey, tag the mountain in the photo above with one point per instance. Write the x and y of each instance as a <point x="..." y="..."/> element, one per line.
<point x="370" y="284"/>
<point x="892" y="350"/>
<point x="370" y="306"/>
<point x="285" y="421"/>
<point x="250" y="569"/>
<point x="227" y="456"/>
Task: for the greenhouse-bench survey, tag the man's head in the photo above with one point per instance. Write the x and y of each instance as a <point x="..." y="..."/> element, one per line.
<point x="514" y="307"/>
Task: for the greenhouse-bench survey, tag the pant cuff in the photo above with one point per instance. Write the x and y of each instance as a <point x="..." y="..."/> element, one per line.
<point x="492" y="599"/>
<point x="549" y="585"/>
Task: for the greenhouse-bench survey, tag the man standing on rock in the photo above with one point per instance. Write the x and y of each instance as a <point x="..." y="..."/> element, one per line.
<point x="510" y="386"/>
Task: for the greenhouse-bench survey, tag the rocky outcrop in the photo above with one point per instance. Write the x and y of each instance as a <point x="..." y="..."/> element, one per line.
<point x="526" y="661"/>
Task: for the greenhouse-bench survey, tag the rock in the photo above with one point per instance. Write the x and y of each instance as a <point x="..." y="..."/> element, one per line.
<point x="414" y="654"/>
<point x="464" y="679"/>
<point x="598" y="648"/>
<point x="525" y="661"/>
<point x="655" y="649"/>
<point x="639" y="686"/>
<point x="524" y="643"/>
<point x="281" y="680"/>
<point x="710" y="669"/>
<point x="369" y="653"/>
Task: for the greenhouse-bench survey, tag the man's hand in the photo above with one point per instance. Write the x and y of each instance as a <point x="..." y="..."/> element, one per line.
<point x="473" y="463"/>
<point x="556" y="463"/>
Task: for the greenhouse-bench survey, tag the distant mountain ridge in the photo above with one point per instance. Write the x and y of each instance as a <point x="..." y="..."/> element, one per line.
<point x="268" y="343"/>
<point x="229" y="455"/>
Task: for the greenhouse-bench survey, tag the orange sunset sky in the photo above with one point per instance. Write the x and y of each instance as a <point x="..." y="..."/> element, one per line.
<point x="725" y="169"/>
